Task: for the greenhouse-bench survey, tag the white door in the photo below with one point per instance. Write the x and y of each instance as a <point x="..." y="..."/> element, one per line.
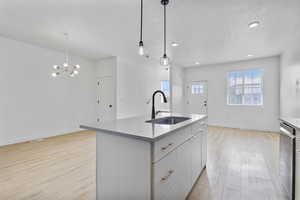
<point x="196" y="102"/>
<point x="106" y="108"/>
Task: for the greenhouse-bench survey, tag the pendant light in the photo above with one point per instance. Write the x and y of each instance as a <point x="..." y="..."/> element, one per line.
<point x="164" y="60"/>
<point x="66" y="69"/>
<point x="141" y="43"/>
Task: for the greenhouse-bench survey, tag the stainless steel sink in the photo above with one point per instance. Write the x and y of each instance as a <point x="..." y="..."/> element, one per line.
<point x="168" y="120"/>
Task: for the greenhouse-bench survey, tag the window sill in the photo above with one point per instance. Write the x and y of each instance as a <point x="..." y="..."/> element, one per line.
<point x="258" y="105"/>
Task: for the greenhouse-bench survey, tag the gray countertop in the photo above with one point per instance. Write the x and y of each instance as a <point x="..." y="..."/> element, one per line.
<point x="136" y="127"/>
<point x="295" y="122"/>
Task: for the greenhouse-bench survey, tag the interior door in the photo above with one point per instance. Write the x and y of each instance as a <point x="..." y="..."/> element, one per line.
<point x="105" y="99"/>
<point x="196" y="102"/>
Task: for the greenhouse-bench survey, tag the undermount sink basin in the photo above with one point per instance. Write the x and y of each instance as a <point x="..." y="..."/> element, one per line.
<point x="168" y="120"/>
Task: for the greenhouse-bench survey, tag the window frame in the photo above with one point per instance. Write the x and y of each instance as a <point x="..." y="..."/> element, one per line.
<point x="201" y="89"/>
<point x="262" y="87"/>
<point x="161" y="88"/>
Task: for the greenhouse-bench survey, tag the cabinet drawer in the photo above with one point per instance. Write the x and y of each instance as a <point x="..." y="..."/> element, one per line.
<point x="198" y="126"/>
<point x="165" y="145"/>
<point x="165" y="177"/>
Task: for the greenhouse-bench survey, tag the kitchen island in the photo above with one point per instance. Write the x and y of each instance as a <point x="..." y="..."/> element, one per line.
<point x="149" y="161"/>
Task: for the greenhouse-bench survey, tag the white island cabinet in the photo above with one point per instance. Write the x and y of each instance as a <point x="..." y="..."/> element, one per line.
<point x="145" y="161"/>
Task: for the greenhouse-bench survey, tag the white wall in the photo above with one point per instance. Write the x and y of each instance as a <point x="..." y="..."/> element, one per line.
<point x="35" y="105"/>
<point x="290" y="73"/>
<point x="246" y="117"/>
<point x="177" y="88"/>
<point x="106" y="67"/>
<point x="136" y="82"/>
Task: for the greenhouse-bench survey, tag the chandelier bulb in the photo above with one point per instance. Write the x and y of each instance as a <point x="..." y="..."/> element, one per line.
<point x="55" y="66"/>
<point x="54" y="74"/>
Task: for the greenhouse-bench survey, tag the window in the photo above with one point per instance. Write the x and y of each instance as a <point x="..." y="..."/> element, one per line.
<point x="165" y="87"/>
<point x="197" y="89"/>
<point x="245" y="87"/>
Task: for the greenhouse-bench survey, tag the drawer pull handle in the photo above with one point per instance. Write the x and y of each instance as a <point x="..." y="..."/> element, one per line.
<point x="170" y="172"/>
<point x="166" y="147"/>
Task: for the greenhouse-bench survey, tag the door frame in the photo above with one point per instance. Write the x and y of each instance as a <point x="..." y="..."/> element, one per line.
<point x="186" y="92"/>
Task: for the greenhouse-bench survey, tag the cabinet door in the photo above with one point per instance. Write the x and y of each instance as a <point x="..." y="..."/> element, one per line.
<point x="183" y="179"/>
<point x="199" y="154"/>
<point x="196" y="144"/>
<point x="204" y="148"/>
<point x="297" y="165"/>
<point x="165" y="172"/>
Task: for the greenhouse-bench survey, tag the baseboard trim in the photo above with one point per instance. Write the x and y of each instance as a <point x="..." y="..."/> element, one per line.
<point x="246" y="129"/>
<point x="37" y="139"/>
<point x="194" y="185"/>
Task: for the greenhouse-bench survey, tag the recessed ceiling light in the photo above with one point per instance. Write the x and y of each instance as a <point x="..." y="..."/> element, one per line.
<point x="197" y="63"/>
<point x="253" y="24"/>
<point x="250" y="55"/>
<point x="175" y="44"/>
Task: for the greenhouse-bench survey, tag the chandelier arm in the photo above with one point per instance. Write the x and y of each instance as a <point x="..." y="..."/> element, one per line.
<point x="66" y="48"/>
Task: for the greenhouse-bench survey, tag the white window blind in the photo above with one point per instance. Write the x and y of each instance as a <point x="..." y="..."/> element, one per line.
<point x="245" y="87"/>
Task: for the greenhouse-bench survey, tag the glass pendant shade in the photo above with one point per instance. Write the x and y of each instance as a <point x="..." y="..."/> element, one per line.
<point x="141" y="44"/>
<point x="141" y="48"/>
<point x="164" y="61"/>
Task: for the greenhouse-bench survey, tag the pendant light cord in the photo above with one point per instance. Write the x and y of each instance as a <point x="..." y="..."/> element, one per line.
<point x="141" y="30"/>
<point x="165" y="30"/>
<point x="66" y="49"/>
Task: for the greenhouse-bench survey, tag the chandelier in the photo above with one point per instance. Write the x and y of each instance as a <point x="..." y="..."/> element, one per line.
<point x="66" y="69"/>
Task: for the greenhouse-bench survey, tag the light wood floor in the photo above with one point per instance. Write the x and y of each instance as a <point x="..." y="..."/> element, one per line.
<point x="58" y="168"/>
<point x="241" y="166"/>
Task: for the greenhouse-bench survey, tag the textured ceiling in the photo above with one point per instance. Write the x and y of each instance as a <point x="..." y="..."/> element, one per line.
<point x="208" y="31"/>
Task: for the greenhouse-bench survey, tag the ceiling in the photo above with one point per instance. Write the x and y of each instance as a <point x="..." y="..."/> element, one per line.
<point x="208" y="31"/>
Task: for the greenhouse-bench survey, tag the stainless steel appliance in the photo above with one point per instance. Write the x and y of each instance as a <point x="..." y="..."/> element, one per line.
<point x="287" y="165"/>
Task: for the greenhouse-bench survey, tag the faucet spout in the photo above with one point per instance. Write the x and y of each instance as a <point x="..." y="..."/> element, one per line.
<point x="153" y="101"/>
